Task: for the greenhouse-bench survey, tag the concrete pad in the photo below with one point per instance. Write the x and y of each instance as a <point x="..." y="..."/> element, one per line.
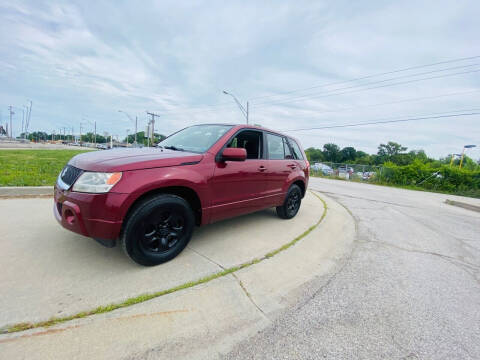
<point x="202" y="322"/>
<point x="187" y="324"/>
<point x="270" y="282"/>
<point x="49" y="271"/>
<point x="253" y="235"/>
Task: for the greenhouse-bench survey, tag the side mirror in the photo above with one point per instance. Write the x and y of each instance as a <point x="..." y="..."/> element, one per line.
<point x="234" y="154"/>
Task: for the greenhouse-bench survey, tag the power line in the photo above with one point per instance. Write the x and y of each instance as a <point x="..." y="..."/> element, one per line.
<point x="385" y="121"/>
<point x="394" y="102"/>
<point x="370" y="76"/>
<point x="313" y="95"/>
<point x="213" y="107"/>
<point x="376" y="87"/>
<point x="386" y="103"/>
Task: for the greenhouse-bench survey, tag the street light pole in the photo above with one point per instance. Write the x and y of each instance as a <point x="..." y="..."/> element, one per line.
<point x="131" y="119"/>
<point x="463" y="153"/>
<point x="242" y="109"/>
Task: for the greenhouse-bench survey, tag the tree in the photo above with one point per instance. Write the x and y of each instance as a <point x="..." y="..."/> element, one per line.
<point x="390" y="149"/>
<point x="90" y="137"/>
<point x="331" y="152"/>
<point x="393" y="152"/>
<point x="418" y="155"/>
<point x="348" y="154"/>
<point x="314" y="155"/>
<point x="142" y="139"/>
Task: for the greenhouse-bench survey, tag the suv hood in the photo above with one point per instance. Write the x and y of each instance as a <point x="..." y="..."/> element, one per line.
<point x="132" y="159"/>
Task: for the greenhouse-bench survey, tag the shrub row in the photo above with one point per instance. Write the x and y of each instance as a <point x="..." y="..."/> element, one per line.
<point x="432" y="177"/>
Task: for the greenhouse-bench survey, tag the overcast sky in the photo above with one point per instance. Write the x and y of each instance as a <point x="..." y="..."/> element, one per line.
<point x="89" y="59"/>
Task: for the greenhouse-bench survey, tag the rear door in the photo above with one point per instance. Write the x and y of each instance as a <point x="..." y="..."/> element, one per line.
<point x="238" y="187"/>
<point x="280" y="165"/>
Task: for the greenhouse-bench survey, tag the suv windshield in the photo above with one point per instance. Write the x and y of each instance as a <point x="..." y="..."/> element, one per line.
<point x="197" y="138"/>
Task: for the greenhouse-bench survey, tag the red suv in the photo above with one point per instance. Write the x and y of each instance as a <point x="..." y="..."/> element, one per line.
<point x="150" y="199"/>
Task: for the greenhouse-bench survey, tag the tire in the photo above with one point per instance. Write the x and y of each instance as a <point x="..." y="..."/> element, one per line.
<point x="158" y="229"/>
<point x="292" y="203"/>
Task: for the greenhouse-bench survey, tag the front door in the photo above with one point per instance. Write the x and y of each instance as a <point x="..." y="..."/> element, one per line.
<point x="238" y="187"/>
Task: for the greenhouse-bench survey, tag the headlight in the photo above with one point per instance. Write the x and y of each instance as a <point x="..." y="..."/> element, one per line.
<point x="96" y="182"/>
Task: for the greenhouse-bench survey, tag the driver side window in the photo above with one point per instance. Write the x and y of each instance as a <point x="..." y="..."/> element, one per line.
<point x="251" y="141"/>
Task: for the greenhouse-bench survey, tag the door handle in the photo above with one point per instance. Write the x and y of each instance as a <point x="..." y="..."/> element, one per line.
<point x="262" y="168"/>
<point x="292" y="166"/>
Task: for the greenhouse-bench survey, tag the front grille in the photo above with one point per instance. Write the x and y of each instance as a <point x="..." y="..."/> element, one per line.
<point x="70" y="174"/>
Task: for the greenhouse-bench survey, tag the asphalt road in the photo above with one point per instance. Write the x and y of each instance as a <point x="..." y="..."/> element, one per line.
<point x="410" y="289"/>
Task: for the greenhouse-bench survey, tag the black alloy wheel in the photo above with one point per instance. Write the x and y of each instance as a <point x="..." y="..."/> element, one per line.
<point x="158" y="229"/>
<point x="291" y="204"/>
<point x="161" y="231"/>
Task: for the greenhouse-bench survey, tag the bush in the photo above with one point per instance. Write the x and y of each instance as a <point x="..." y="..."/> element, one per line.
<point x="430" y="176"/>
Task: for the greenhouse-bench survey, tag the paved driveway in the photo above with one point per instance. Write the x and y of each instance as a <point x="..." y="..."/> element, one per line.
<point x="409" y="290"/>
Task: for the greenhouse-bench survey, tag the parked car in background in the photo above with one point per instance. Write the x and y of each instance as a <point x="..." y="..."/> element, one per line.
<point x="325" y="169"/>
<point x="150" y="199"/>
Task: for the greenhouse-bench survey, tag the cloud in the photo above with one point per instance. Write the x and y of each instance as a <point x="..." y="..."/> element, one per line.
<point x="77" y="59"/>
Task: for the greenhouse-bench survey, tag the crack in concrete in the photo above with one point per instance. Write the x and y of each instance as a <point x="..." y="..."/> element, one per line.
<point x="463" y="265"/>
<point x="336" y="195"/>
<point x="435" y="230"/>
<point x="456" y="262"/>
<point x="474" y="266"/>
<point x="206" y="257"/>
<point x="242" y="286"/>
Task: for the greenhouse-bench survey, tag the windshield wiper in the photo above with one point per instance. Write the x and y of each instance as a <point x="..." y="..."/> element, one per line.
<point x="171" y="147"/>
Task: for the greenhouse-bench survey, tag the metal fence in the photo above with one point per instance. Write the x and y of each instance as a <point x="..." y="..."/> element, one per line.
<point x="359" y="172"/>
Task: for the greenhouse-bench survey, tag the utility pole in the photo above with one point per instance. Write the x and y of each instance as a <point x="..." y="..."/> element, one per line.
<point x="148" y="135"/>
<point x="152" y="121"/>
<point x="23" y="120"/>
<point x="136" y="120"/>
<point x="80" y="140"/>
<point x="11" y="113"/>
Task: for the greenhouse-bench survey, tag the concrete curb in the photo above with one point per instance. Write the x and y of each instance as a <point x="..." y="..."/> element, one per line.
<point x="25" y="191"/>
<point x="463" y="205"/>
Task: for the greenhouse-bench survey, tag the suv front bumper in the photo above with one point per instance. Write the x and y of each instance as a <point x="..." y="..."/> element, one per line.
<point x="93" y="215"/>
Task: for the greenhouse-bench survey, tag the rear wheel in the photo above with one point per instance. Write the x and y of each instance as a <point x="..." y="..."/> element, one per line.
<point x="158" y="230"/>
<point x="292" y="203"/>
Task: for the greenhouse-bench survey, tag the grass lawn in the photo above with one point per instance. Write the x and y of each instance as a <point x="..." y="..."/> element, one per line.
<point x="33" y="167"/>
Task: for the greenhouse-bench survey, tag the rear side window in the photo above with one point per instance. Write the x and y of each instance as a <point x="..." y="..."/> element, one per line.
<point x="286" y="148"/>
<point x="297" y="153"/>
<point x="275" y="147"/>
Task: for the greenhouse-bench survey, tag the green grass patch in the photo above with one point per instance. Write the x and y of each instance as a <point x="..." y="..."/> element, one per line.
<point x="33" y="167"/>
<point x="149" y="296"/>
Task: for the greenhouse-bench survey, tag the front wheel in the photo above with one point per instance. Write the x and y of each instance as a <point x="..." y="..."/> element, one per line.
<point x="158" y="230"/>
<point x="292" y="203"/>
